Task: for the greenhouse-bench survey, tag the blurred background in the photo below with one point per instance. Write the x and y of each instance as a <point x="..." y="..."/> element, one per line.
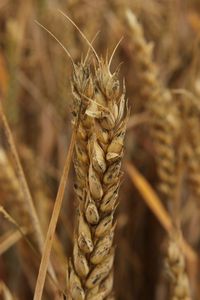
<point x="36" y="96"/>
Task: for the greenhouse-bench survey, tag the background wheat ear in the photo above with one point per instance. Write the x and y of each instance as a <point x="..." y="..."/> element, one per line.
<point x="176" y="270"/>
<point x="165" y="130"/>
<point x="159" y="103"/>
<point x="97" y="160"/>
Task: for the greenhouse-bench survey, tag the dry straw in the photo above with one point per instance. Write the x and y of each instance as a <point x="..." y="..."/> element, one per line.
<point x="28" y="204"/>
<point x="19" y="218"/>
<point x="25" y="191"/>
<point x="97" y="161"/>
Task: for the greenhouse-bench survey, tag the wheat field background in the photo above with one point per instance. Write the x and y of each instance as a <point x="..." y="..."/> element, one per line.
<point x="100" y="149"/>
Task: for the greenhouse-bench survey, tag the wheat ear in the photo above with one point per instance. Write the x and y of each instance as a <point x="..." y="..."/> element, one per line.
<point x="175" y="265"/>
<point x="165" y="131"/>
<point x="11" y="188"/>
<point x="193" y="145"/>
<point x="97" y="162"/>
<point x="159" y="103"/>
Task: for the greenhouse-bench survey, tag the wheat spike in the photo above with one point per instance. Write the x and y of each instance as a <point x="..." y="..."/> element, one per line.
<point x="192" y="113"/>
<point x="146" y="72"/>
<point x="165" y="131"/>
<point x="175" y="265"/>
<point x="193" y="162"/>
<point x="97" y="161"/>
<point x="11" y="188"/>
<point x="158" y="101"/>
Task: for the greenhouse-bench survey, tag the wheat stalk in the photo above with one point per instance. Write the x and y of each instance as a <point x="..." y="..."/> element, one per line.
<point x="97" y="162"/>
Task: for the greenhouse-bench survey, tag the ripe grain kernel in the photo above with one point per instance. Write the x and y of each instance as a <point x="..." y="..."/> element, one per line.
<point x="91" y="212"/>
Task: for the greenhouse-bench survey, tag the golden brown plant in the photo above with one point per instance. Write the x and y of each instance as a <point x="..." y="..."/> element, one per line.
<point x="97" y="161"/>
